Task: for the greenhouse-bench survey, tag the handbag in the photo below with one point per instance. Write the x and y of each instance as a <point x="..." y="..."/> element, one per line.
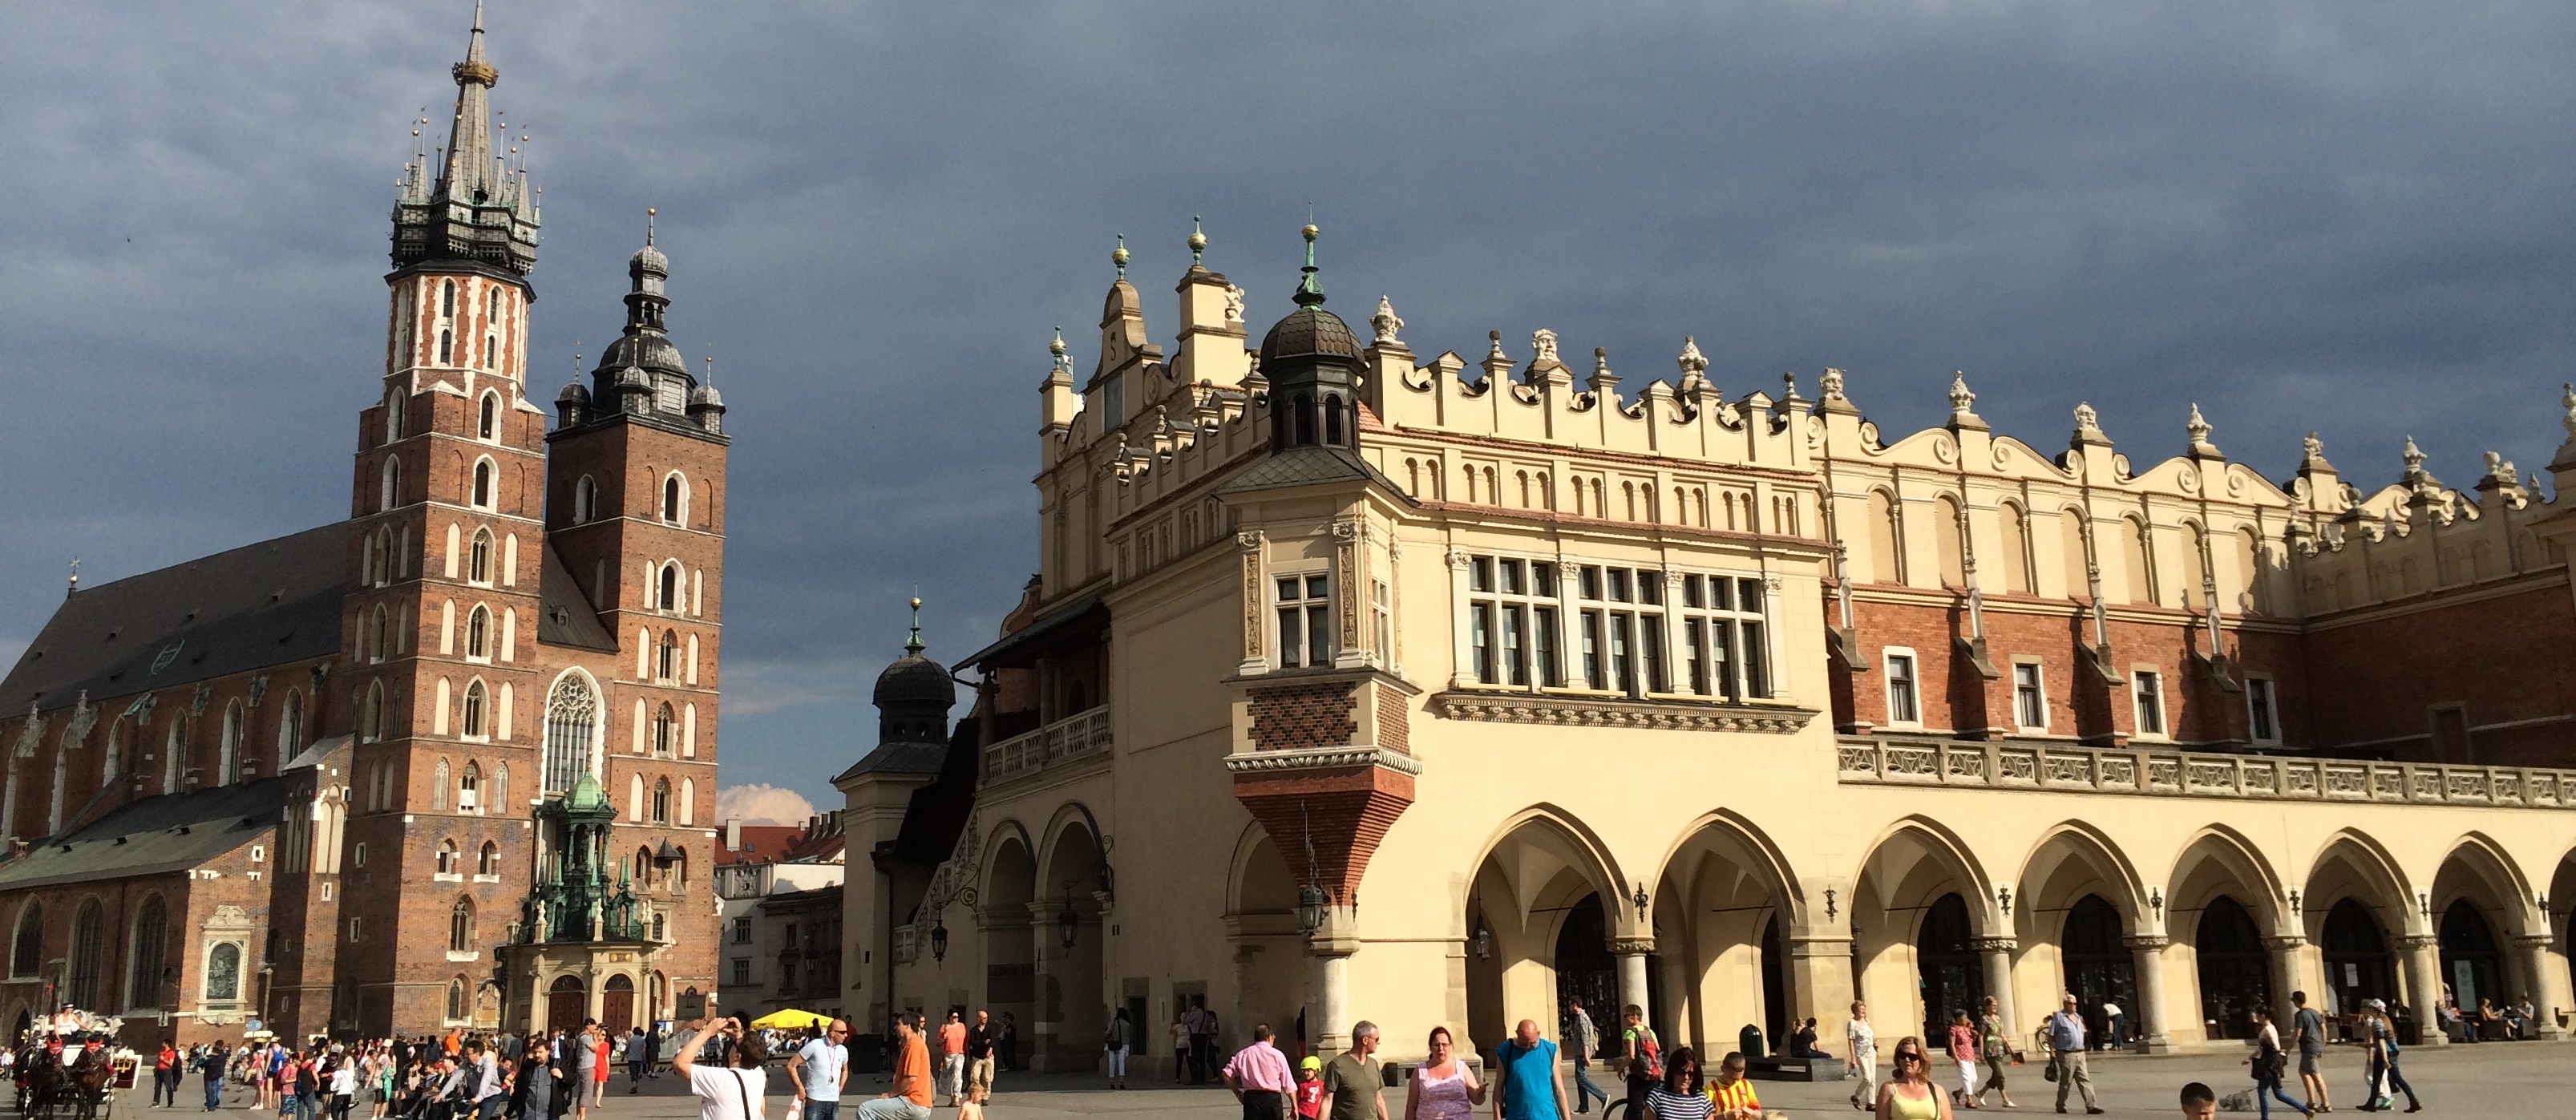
<point x="2049" y="1071"/>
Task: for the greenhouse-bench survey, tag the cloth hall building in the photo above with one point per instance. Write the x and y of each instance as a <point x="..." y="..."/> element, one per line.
<point x="1362" y="685"/>
<point x="449" y="760"/>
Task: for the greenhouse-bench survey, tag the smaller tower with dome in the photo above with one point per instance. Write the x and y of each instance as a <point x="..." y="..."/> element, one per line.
<point x="914" y="695"/>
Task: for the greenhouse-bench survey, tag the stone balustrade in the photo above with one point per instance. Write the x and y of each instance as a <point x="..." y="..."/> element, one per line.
<point x="1080" y="738"/>
<point x="2148" y="771"/>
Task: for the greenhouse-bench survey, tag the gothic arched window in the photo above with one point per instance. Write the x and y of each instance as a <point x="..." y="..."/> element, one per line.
<point x="392" y="494"/>
<point x="446" y="848"/>
<point x="460" y="927"/>
<point x="675" y="494"/>
<point x="478" y="565"/>
<point x="666" y="666"/>
<point x="585" y="500"/>
<point x="228" y="765"/>
<point x="489" y="861"/>
<point x="456" y="1000"/>
<point x="483" y="484"/>
<point x="469" y="788"/>
<point x="27" y="948"/>
<point x="668" y="597"/>
<point x="572" y="711"/>
<point x="474" y="720"/>
<point x="446" y="347"/>
<point x="150" y="952"/>
<point x="438" y="802"/>
<point x="447" y="301"/>
<point x="662" y="797"/>
<point x="662" y="728"/>
<point x="290" y="730"/>
<point x="371" y="720"/>
<point x="86" y="936"/>
<point x="489" y="426"/>
<point x="478" y="633"/>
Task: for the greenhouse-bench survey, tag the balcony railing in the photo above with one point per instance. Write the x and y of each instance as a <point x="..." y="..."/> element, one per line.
<point x="2171" y="773"/>
<point x="1075" y="740"/>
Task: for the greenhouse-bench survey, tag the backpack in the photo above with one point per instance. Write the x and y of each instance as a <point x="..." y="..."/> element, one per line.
<point x="1649" y="1065"/>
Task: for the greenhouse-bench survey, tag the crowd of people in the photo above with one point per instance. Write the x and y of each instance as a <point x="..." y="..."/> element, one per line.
<point x="547" y="1075"/>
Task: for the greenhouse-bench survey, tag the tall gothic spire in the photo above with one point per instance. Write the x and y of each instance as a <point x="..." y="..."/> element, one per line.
<point x="469" y="173"/>
<point x="479" y="207"/>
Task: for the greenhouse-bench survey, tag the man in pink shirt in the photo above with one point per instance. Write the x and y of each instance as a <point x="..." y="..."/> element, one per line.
<point x="1259" y="1077"/>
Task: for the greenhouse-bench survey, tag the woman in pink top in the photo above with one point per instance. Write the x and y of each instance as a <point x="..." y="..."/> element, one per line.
<point x="1444" y="1088"/>
<point x="1963" y="1050"/>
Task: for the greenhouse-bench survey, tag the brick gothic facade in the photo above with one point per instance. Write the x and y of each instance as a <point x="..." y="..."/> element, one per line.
<point x="323" y="780"/>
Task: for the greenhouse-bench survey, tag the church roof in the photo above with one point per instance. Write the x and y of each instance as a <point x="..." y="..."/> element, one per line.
<point x="898" y="758"/>
<point x="263" y="604"/>
<point x="566" y="616"/>
<point x="1308" y="466"/>
<point x="156" y="835"/>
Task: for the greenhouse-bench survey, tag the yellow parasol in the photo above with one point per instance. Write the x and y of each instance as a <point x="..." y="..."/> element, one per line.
<point x="791" y="1019"/>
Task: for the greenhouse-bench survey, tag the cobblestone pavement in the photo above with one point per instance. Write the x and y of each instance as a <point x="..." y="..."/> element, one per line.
<point x="2534" y="1079"/>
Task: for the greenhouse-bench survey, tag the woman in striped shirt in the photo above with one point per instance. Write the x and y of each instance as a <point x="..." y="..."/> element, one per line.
<point x="1677" y="1096"/>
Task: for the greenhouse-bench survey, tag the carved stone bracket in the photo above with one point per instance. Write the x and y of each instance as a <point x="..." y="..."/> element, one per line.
<point x="1631" y="946"/>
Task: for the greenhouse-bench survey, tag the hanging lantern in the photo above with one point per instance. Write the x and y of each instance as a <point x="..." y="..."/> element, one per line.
<point x="1310" y="908"/>
<point x="1483" y="940"/>
<point x="1068" y="923"/>
<point x="939" y="941"/>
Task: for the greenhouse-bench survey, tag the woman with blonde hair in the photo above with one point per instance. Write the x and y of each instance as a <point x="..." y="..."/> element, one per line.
<point x="1909" y="1093"/>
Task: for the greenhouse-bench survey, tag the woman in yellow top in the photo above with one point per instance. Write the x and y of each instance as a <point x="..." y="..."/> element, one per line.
<point x="1730" y="1093"/>
<point x="1909" y="1093"/>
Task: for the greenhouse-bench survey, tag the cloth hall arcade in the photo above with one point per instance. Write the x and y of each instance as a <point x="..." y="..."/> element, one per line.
<point x="1430" y="691"/>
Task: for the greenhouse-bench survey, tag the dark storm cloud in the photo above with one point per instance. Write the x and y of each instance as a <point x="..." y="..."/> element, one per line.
<point x="2349" y="217"/>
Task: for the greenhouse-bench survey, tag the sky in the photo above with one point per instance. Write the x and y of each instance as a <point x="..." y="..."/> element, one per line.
<point x="2348" y="217"/>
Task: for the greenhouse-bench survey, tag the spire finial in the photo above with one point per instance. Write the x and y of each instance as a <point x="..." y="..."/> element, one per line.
<point x="75" y="587"/>
<point x="1198" y="240"/>
<point x="1118" y="256"/>
<point x="711" y="369"/>
<point x="1063" y="361"/>
<point x="914" y="647"/>
<point x="1310" y="293"/>
<point x="649" y="212"/>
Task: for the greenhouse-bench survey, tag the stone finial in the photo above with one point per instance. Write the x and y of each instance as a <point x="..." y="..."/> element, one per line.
<point x="1063" y="359"/>
<point x="1543" y="346"/>
<point x="2501" y="471"/>
<point x="1600" y="361"/>
<point x="1694" y="363"/>
<point x="2568" y="401"/>
<point x="1385" y="321"/>
<point x="2198" y="428"/>
<point x="1118" y="256"/>
<point x="1198" y="240"/>
<point x="1495" y="338"/>
<point x="2414" y="457"/>
<point x="1789" y="386"/>
<point x="1831" y="384"/>
<point x="2417" y="479"/>
<point x="1961" y="400"/>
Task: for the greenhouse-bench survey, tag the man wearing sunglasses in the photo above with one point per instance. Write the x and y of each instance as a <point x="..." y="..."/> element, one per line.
<point x="820" y="1069"/>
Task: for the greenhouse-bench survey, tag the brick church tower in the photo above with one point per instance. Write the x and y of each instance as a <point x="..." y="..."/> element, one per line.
<point x="515" y="593"/>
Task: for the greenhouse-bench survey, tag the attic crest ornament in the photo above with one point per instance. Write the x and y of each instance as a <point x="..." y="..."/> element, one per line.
<point x="1543" y="341"/>
<point x="2087" y="421"/>
<point x="2312" y="447"/>
<point x="1385" y="322"/>
<point x="1694" y="364"/>
<point x="1961" y="400"/>
<point x="1831" y="384"/>
<point x="1234" y="303"/>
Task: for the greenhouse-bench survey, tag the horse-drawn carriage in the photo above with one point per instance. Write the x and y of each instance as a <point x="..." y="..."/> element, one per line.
<point x="74" y="1077"/>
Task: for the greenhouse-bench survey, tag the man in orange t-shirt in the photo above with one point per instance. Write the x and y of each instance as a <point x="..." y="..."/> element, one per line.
<point x="952" y="1056"/>
<point x="910" y="1099"/>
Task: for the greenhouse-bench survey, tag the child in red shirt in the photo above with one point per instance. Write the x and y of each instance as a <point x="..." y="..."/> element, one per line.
<point x="1310" y="1089"/>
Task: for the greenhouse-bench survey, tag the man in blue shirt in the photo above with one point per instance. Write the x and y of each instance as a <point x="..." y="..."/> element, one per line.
<point x="1528" y="1086"/>
<point x="2066" y="1041"/>
<point x="819" y="1069"/>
